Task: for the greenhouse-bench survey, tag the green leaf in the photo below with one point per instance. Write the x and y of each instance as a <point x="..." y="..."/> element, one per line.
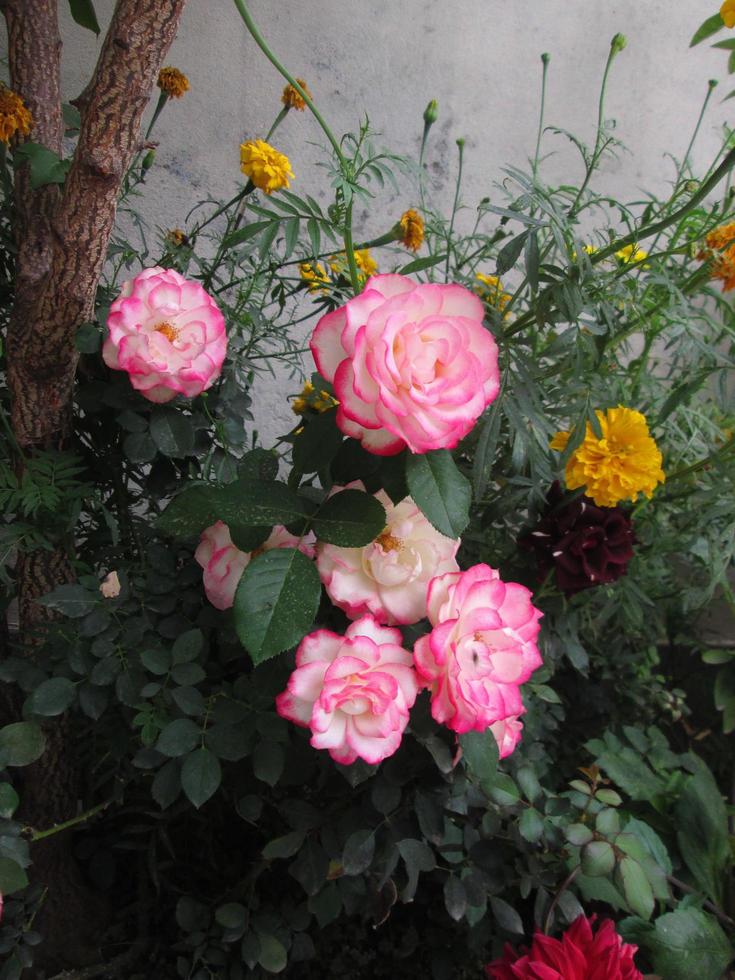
<point x="45" y="166"/>
<point x="636" y="887"/>
<point x="21" y="743"/>
<point x="531" y="825"/>
<point x="12" y="877"/>
<point x="284" y="847"/>
<point x="440" y="490"/>
<point x="88" y="338"/>
<point x="418" y="265"/>
<point x="532" y="261"/>
<point x="358" y="852"/>
<point x="276" y="601"/>
<point x="244" y="234"/>
<point x="187" y="646"/>
<point x="201" y="776"/>
<point x="268" y="762"/>
<point x="52" y="697"/>
<point x="8" y="801"/>
<point x="710" y="26"/>
<point x="418" y="857"/>
<point x="273" y="957"/>
<point x="506" y="916"/>
<point x="179" y="737"/>
<point x="578" y="834"/>
<point x="83" y="13"/>
<point x="231" y="916"/>
<point x="244" y="503"/>
<point x="315" y="447"/>
<point x="702" y="834"/>
<point x="258" y="464"/>
<point x="172" y="432"/>
<point x="350" y="519"/>
<point x="687" y="943"/>
<point x="480" y="754"/>
<point x="73" y="601"/>
<point x="455" y="897"/>
<point x="597" y="858"/>
<point x="509" y="253"/>
<point x="166" y="784"/>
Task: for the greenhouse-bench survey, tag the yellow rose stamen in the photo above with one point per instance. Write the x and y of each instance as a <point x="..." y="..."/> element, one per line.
<point x="388" y="542"/>
<point x="169" y="332"/>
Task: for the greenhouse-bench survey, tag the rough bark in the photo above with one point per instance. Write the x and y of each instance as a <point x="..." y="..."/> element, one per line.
<point x="62" y="238"/>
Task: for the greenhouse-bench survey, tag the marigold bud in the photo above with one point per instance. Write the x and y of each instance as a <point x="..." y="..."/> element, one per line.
<point x="431" y="113"/>
<point x="618" y="43"/>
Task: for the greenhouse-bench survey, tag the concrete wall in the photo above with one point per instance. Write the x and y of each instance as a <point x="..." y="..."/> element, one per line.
<point x="478" y="58"/>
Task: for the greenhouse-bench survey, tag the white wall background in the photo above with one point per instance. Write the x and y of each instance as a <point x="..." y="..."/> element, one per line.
<point x="479" y="58"/>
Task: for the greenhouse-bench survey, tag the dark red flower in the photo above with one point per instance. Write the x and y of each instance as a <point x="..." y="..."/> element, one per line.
<point x="584" y="544"/>
<point x="580" y="954"/>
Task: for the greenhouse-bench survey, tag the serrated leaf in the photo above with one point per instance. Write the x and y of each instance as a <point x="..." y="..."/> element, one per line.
<point x="440" y="490"/>
<point x="166" y="784"/>
<point x="597" y="858"/>
<point x="284" y="847"/>
<point x="702" y="834"/>
<point x="506" y="916"/>
<point x="45" y="166"/>
<point x="687" y="943"/>
<point x="349" y="519"/>
<point x="73" y="601"/>
<point x="275" y="602"/>
<point x="12" y="877"/>
<point x="201" y="776"/>
<point x="21" y="743"/>
<point x="179" y="737"/>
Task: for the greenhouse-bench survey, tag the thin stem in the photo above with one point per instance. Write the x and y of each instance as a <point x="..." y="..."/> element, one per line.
<point x="162" y="100"/>
<point x="544" y="70"/>
<point x="344" y="167"/>
<point x="555" y="901"/>
<point x="682" y="885"/>
<point x="710" y="89"/>
<point x="460" y="147"/>
<point x="277" y="122"/>
<point x="36" y="835"/>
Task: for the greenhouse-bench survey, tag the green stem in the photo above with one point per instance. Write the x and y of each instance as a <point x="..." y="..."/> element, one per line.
<point x="276" y="123"/>
<point x="544" y="70"/>
<point x="162" y="100"/>
<point x="710" y="89"/>
<point x="260" y="41"/>
<point x="36" y="835"/>
<point x="460" y="147"/>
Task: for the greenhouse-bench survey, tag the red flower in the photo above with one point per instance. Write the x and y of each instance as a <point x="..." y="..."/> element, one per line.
<point x="580" y="954"/>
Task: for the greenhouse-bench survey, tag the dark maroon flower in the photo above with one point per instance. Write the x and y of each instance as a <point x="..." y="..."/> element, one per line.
<point x="584" y="544"/>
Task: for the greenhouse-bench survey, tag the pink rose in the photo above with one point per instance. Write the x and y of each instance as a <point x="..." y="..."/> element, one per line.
<point x="167" y="333"/>
<point x="481" y="649"/>
<point x="223" y="563"/>
<point x="389" y="576"/>
<point x="354" y="691"/>
<point x="411" y="365"/>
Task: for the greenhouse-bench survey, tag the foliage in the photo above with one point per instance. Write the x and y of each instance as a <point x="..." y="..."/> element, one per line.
<point x="264" y="856"/>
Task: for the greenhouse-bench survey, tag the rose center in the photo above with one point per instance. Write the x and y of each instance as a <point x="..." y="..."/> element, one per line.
<point x="387" y="542"/>
<point x="169" y="332"/>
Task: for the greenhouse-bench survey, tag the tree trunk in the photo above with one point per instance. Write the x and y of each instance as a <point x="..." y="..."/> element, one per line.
<point x="62" y="237"/>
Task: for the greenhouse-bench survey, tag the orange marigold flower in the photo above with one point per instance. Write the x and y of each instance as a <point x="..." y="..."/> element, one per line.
<point x="14" y="116"/>
<point x="293" y="99"/>
<point x="412" y="226"/>
<point x="625" y="462"/>
<point x="173" y="82"/>
<point x="720" y="251"/>
<point x="268" y="169"/>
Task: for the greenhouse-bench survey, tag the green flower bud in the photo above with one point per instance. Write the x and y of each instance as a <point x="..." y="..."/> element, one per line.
<point x="148" y="160"/>
<point x="431" y="113"/>
<point x="618" y="43"/>
<point x="546" y="57"/>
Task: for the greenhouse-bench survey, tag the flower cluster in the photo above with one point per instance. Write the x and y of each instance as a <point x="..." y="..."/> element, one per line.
<point x="631" y="254"/>
<point x="623" y="462"/>
<point x="315" y="276"/>
<point x="583" y="544"/>
<point x="312" y="400"/>
<point x="167" y="333"/>
<point x="15" y="117"/>
<point x="720" y="251"/>
<point x="268" y="169"/>
<point x="580" y="954"/>
<point x="412" y="365"/>
<point x="173" y="82"/>
<point x="224" y="563"/>
<point x="366" y="264"/>
<point x="490" y="290"/>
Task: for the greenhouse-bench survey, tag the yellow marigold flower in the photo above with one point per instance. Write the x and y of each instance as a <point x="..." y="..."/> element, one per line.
<point x="624" y="463"/>
<point x="412" y="226"/>
<point x="14" y="116"/>
<point x="727" y="12"/>
<point x="173" y="82"/>
<point x="491" y="290"/>
<point x="176" y="237"/>
<point x="315" y="277"/>
<point x="317" y="401"/>
<point x="366" y="264"/>
<point x="292" y="99"/>
<point x="629" y="254"/>
<point x="268" y="169"/>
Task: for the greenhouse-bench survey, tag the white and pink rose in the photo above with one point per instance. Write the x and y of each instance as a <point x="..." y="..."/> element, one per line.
<point x="167" y="333"/>
<point x="481" y="649"/>
<point x="354" y="691"/>
<point x="411" y="364"/>
<point x="388" y="577"/>
<point x="223" y="563"/>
